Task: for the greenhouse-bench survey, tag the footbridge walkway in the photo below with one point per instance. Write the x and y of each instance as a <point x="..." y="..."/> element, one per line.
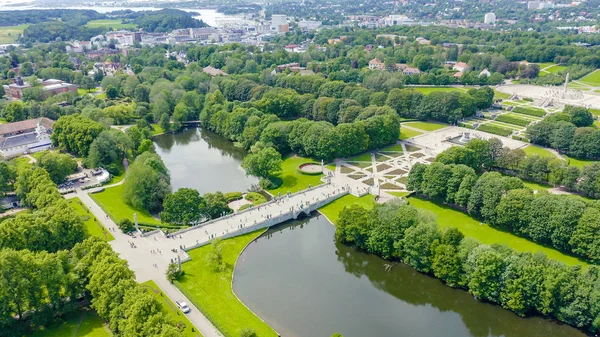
<point x="274" y="212"/>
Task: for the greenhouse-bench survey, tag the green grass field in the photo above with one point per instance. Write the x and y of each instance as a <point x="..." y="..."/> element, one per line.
<point x="392" y="148"/>
<point x="532" y="150"/>
<point x="157" y="129"/>
<point x="332" y="210"/>
<point x="294" y="181"/>
<point x="399" y="194"/>
<point x="93" y="227"/>
<point x="361" y="157"/>
<point x="536" y="186"/>
<point x="114" y="24"/>
<point x="556" y="69"/>
<point x="595" y="112"/>
<point x="10" y="34"/>
<point x="500" y="95"/>
<point x="171" y="310"/>
<point x="211" y="290"/>
<point x="111" y="201"/>
<point x="118" y="177"/>
<point x="428" y="90"/>
<point x="578" y="162"/>
<point x="592" y="78"/>
<point x="83" y="323"/>
<point x="406" y="133"/>
<point x="426" y="126"/>
<point x="448" y="217"/>
<point x="82" y="91"/>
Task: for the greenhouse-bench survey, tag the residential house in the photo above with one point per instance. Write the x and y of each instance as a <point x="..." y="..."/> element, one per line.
<point x="461" y="67"/>
<point x="485" y="73"/>
<point x="50" y="87"/>
<point x="376" y="64"/>
<point x="214" y="71"/>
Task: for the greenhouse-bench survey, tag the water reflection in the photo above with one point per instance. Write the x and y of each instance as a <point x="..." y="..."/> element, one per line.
<point x="304" y="284"/>
<point x="203" y="160"/>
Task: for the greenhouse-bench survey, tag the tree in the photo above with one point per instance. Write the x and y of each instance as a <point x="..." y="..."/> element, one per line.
<point x="417" y="245"/>
<point x="165" y="122"/>
<point x="263" y="163"/>
<point x="215" y="205"/>
<point x="147" y="182"/>
<point x="14" y="111"/>
<point x="75" y="133"/>
<point x="173" y="272"/>
<point x="58" y="165"/>
<point x="184" y="207"/>
<point x="485" y="267"/>
<point x="580" y="116"/>
<point x="110" y="147"/>
<point x="215" y="255"/>
<point x="88" y="83"/>
<point x="111" y="92"/>
<point x="8" y="175"/>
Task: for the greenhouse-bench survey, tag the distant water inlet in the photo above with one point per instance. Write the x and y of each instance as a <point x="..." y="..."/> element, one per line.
<point x="304" y="284"/>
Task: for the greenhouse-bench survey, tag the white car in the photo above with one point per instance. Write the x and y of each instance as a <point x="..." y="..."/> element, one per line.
<point x="184" y="307"/>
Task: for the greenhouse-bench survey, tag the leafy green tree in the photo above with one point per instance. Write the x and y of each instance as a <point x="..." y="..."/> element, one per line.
<point x="112" y="92"/>
<point x="8" y="175"/>
<point x="173" y="272"/>
<point x="215" y="255"/>
<point x="183" y="207"/>
<point x="75" y="133"/>
<point x="147" y="182"/>
<point x="263" y="163"/>
<point x="110" y="147"/>
<point x="580" y="116"/>
<point x="485" y="267"/>
<point x="58" y="165"/>
<point x="585" y="241"/>
<point x="417" y="245"/>
<point x="14" y="111"/>
<point x="215" y="205"/>
<point x="165" y="122"/>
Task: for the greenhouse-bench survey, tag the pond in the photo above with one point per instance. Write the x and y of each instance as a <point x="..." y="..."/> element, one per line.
<point x="203" y="160"/>
<point x="304" y="284"/>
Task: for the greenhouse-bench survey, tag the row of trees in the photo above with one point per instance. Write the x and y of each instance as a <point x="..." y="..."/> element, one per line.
<point x="490" y="154"/>
<point x="561" y="221"/>
<point x="185" y="207"/>
<point x="524" y="283"/>
<point x="569" y="132"/>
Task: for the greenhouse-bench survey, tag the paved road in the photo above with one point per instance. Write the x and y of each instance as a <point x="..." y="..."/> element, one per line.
<point x="141" y="263"/>
<point x="152" y="254"/>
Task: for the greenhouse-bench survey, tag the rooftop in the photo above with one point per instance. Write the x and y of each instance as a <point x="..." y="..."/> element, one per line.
<point x="25" y="125"/>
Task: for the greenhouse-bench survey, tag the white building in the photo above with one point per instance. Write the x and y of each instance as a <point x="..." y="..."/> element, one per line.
<point x="29" y="136"/>
<point x="309" y="25"/>
<point x="489" y="19"/>
<point x="395" y="20"/>
<point x="278" y="20"/>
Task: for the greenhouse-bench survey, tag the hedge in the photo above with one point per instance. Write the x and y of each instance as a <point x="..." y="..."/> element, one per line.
<point x="231" y="196"/>
<point x="530" y="111"/>
<point x="495" y="130"/>
<point x="512" y="120"/>
<point x="309" y="173"/>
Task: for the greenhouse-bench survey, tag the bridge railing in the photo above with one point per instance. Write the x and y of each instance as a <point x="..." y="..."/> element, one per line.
<point x="289" y="215"/>
<point x="249" y="209"/>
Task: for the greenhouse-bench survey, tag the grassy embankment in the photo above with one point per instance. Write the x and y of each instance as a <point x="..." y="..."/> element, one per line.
<point x="94" y="228"/>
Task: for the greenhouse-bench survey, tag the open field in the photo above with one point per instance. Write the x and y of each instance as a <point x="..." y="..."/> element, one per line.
<point x="361" y="157"/>
<point x="592" y="78"/>
<point x="426" y="126"/>
<point x="93" y="227"/>
<point x="532" y="150"/>
<point x="111" y="201"/>
<point x="578" y="162"/>
<point x="448" y="217"/>
<point x="82" y="91"/>
<point x="556" y="69"/>
<point x="210" y="290"/>
<point x="406" y="133"/>
<point x="79" y="324"/>
<point x="114" y="24"/>
<point x="500" y="95"/>
<point x="157" y="129"/>
<point x="171" y="310"/>
<point x="428" y="90"/>
<point x="294" y="181"/>
<point x="332" y="210"/>
<point x="10" y="34"/>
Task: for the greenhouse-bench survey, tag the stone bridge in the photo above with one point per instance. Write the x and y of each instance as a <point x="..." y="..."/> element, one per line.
<point x="272" y="213"/>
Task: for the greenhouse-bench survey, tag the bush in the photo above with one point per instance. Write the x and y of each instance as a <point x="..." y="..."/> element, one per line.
<point x="126" y="225"/>
<point x="494" y="129"/>
<point x="231" y="196"/>
<point x="309" y="173"/>
<point x="174" y="273"/>
<point x="243" y="207"/>
<point x="530" y="111"/>
<point x="256" y="198"/>
<point x="512" y="120"/>
<point x="113" y="169"/>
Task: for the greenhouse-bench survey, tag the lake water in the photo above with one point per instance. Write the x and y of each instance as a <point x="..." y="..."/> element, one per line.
<point x="203" y="160"/>
<point x="209" y="16"/>
<point x="304" y="284"/>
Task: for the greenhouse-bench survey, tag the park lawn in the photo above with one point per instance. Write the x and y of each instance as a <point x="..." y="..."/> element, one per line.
<point x="426" y="126"/>
<point x="501" y="95"/>
<point x="292" y="180"/>
<point x="592" y="78"/>
<point x="93" y="227"/>
<point x="392" y="148"/>
<point x="157" y="129"/>
<point x="332" y="210"/>
<point x="532" y="150"/>
<point x="595" y="112"/>
<point x="556" y="69"/>
<point x="211" y="291"/>
<point x="361" y="157"/>
<point x="171" y="310"/>
<point x="111" y="201"/>
<point x="115" y="24"/>
<point x="82" y="91"/>
<point x="10" y="34"/>
<point x="84" y="323"/>
<point x="579" y="162"/>
<point x="3" y="121"/>
<point x="536" y="186"/>
<point x="428" y="90"/>
<point x="448" y="217"/>
<point x="399" y="194"/>
<point x="546" y="64"/>
<point x="406" y="133"/>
